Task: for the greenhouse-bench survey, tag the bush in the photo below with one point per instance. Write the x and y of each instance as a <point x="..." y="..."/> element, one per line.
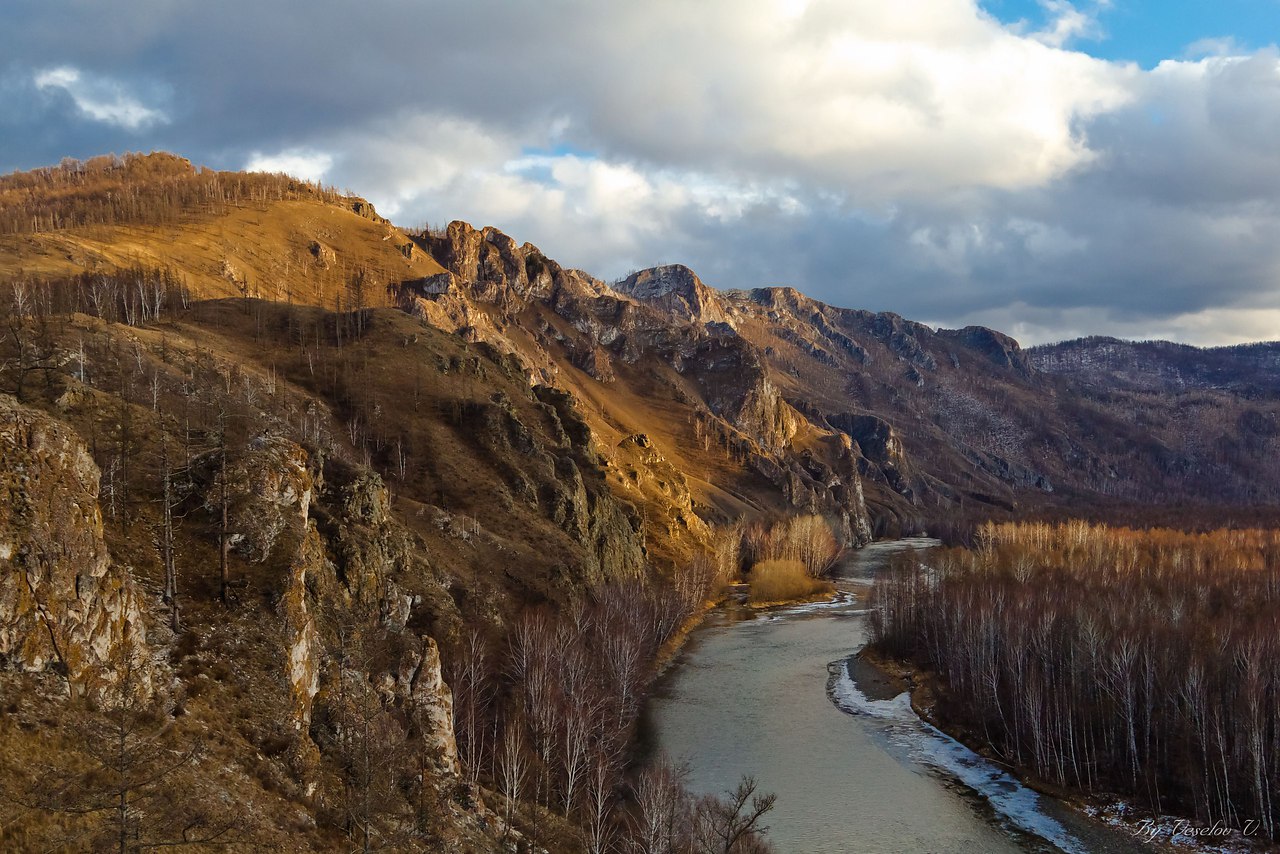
<point x="784" y="581"/>
<point x="807" y="539"/>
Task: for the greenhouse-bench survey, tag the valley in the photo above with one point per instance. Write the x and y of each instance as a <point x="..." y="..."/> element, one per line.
<point x="365" y="530"/>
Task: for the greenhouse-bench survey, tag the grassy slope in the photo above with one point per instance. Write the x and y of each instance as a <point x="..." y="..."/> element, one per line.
<point x="268" y="246"/>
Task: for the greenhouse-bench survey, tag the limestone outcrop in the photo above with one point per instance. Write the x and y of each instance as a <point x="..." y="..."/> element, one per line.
<point x="679" y="292"/>
<point x="64" y="603"/>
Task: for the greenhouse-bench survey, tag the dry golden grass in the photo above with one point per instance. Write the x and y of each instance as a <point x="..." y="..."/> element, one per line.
<point x="266" y="250"/>
<point x="774" y="581"/>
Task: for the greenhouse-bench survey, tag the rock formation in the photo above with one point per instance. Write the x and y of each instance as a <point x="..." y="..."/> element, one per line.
<point x="64" y="603"/>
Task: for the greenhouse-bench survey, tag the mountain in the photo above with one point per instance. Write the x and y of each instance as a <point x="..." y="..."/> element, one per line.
<point x="938" y="422"/>
<point x="286" y="454"/>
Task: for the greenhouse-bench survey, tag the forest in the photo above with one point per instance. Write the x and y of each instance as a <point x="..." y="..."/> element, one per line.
<point x="1107" y="660"/>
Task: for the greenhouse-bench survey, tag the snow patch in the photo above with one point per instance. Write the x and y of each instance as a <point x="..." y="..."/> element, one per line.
<point x="1013" y="802"/>
<point x="839" y="600"/>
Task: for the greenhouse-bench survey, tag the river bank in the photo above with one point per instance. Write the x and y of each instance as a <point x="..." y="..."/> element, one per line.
<point x="1163" y="833"/>
<point x="733" y="595"/>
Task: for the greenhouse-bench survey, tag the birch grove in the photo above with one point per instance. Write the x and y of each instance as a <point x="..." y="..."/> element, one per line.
<point x="1107" y="660"/>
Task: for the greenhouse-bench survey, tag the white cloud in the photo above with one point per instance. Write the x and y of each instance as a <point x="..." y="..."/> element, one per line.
<point x="303" y="163"/>
<point x="100" y="98"/>
<point x="879" y="100"/>
<point x="1211" y="327"/>
<point x="1215" y="46"/>
<point x="1068" y="23"/>
<point x="602" y="215"/>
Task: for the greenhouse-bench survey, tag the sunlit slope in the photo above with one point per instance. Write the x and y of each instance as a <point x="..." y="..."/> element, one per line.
<point x="226" y="234"/>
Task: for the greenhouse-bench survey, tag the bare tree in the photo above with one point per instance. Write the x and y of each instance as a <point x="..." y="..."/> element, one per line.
<point x="513" y="768"/>
<point x="662" y="819"/>
<point x="733" y="824"/>
<point x="473" y="689"/>
<point x="164" y="534"/>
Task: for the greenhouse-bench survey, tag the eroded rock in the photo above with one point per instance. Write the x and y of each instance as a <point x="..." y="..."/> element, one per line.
<point x="63" y="602"/>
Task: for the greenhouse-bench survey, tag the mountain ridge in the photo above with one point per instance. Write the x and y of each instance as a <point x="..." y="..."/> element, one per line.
<point x="979" y="419"/>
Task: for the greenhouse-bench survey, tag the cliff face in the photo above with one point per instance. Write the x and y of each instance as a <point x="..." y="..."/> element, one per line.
<point x="678" y="292"/>
<point x="338" y="589"/>
<point x="489" y="261"/>
<point x="303" y="653"/>
<point x="341" y="590"/>
<point x="661" y="337"/>
<point x="64" y="603"/>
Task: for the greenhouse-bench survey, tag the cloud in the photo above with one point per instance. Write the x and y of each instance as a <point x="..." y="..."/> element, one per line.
<point x="301" y="163"/>
<point x="880" y="101"/>
<point x="874" y="99"/>
<point x="919" y="157"/>
<point x="1214" y="46"/>
<point x="608" y="216"/>
<point x="1068" y="23"/>
<point x="99" y="98"/>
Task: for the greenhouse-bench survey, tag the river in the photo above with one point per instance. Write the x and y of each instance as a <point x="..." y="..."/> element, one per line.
<point x="772" y="694"/>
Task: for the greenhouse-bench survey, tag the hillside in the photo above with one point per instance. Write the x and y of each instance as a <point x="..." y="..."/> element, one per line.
<point x="293" y="466"/>
<point x="289" y="505"/>
<point x="229" y="234"/>
<point x="1249" y="371"/>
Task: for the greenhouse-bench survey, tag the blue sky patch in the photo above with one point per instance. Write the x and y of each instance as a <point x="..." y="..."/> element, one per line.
<point x="1146" y="31"/>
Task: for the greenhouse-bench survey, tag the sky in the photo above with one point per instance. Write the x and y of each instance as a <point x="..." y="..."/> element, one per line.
<point x="1046" y="167"/>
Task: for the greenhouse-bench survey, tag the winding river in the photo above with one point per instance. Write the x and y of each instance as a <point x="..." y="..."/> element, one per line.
<point x="775" y="695"/>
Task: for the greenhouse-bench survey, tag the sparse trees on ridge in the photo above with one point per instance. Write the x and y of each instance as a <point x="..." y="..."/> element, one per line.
<point x="152" y="188"/>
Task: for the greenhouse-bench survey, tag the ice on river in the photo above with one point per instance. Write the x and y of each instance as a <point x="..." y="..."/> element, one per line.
<point x="1016" y="804"/>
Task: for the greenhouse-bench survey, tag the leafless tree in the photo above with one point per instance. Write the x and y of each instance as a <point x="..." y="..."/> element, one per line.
<point x="513" y="768"/>
<point x="1143" y="662"/>
<point x="733" y="824"/>
<point x="473" y="690"/>
<point x="133" y="787"/>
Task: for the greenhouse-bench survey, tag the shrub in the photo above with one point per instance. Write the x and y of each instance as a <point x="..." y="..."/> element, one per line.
<point x="784" y="581"/>
<point x="807" y="539"/>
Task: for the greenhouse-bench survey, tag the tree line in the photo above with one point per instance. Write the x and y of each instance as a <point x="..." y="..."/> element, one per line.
<point x="547" y="718"/>
<point x="154" y="189"/>
<point x="1108" y="660"/>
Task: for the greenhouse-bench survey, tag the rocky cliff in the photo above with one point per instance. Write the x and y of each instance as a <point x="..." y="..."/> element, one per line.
<point x="660" y="336"/>
<point x="64" y="603"/>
